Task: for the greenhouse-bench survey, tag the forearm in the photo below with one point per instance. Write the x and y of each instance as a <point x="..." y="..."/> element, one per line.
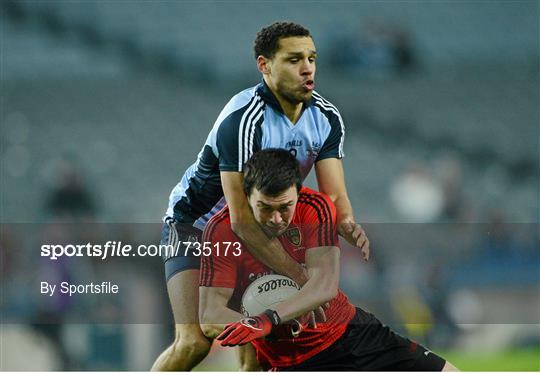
<point x="268" y="251"/>
<point x="331" y="180"/>
<point x="343" y="208"/>
<point x="309" y="298"/>
<point x="321" y="287"/>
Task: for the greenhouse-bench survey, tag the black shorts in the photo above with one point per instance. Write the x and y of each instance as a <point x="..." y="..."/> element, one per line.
<point x="369" y="345"/>
<point x="178" y="260"/>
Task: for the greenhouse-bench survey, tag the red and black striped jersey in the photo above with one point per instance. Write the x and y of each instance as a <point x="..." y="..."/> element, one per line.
<point x="313" y="225"/>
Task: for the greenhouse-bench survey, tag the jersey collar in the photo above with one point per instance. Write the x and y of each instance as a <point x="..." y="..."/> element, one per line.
<point x="269" y="98"/>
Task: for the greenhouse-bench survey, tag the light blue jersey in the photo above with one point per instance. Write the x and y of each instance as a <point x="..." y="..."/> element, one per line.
<point x="253" y="120"/>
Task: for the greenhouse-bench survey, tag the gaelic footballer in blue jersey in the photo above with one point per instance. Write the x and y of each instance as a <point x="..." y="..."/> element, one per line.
<point x="283" y="111"/>
<point x="251" y="121"/>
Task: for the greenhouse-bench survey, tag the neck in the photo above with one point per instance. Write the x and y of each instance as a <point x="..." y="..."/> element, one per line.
<point x="291" y="110"/>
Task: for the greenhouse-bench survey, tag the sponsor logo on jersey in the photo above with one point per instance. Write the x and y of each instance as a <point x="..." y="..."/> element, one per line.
<point x="294" y="144"/>
<point x="253" y="276"/>
<point x="313" y="152"/>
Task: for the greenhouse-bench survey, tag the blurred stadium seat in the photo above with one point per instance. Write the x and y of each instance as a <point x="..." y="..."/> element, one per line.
<point x="127" y="91"/>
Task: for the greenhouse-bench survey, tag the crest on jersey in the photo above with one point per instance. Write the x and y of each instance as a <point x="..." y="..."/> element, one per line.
<point x="294" y="236"/>
<point x="313" y="152"/>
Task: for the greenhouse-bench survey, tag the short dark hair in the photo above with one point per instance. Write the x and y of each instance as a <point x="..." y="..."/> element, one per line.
<point x="272" y="171"/>
<point x="267" y="40"/>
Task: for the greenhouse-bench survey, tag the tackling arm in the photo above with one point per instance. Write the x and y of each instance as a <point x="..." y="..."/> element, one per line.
<point x="268" y="251"/>
<point x="331" y="181"/>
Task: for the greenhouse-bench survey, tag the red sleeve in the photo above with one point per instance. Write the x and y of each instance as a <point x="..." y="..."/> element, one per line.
<point x="218" y="270"/>
<point x="318" y="220"/>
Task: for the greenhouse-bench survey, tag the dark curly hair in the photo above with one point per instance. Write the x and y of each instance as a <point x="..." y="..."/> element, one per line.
<point x="267" y="40"/>
<point x="272" y="171"/>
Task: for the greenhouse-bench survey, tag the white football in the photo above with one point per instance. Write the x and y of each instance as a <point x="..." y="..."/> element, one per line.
<point x="265" y="292"/>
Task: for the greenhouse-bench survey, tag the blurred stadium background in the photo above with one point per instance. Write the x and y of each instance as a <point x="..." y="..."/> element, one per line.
<point x="105" y="103"/>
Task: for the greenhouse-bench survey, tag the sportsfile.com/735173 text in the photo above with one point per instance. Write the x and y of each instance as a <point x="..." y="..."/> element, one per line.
<point x="118" y="249"/>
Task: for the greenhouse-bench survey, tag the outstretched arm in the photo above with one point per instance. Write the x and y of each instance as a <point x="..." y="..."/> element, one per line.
<point x="268" y="251"/>
<point x="331" y="181"/>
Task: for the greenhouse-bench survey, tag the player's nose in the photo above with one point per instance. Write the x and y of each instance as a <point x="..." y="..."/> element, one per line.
<point x="276" y="218"/>
<point x="307" y="68"/>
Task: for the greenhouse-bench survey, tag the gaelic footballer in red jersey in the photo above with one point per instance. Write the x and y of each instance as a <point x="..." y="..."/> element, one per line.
<point x="304" y="222"/>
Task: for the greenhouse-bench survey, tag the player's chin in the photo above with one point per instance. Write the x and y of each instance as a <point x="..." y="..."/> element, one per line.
<point x="306" y="95"/>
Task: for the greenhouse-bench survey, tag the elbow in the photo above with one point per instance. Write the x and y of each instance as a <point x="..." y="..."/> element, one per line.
<point x="240" y="227"/>
<point x="236" y="227"/>
<point x="241" y="219"/>
<point x="239" y="230"/>
<point x="338" y="196"/>
<point x="237" y="222"/>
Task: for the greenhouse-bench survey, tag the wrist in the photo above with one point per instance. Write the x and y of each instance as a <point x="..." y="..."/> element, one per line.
<point x="346" y="219"/>
<point x="273" y="317"/>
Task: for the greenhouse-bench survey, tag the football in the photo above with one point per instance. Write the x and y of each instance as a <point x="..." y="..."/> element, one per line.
<point x="265" y="292"/>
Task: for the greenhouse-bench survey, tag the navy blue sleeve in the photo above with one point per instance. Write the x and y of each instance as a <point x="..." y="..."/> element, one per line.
<point x="227" y="142"/>
<point x="239" y="135"/>
<point x="333" y="145"/>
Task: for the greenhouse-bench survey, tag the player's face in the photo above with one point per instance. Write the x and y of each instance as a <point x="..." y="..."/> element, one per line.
<point x="292" y="69"/>
<point x="273" y="213"/>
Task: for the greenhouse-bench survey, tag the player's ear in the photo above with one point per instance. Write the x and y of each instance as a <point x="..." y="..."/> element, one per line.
<point x="263" y="64"/>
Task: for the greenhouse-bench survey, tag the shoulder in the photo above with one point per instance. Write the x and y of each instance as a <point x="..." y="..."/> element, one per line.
<point x="317" y="218"/>
<point x="233" y="137"/>
<point x="238" y="105"/>
<point x="333" y="123"/>
<point x="316" y="206"/>
<point x="219" y="226"/>
<point x="328" y="109"/>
